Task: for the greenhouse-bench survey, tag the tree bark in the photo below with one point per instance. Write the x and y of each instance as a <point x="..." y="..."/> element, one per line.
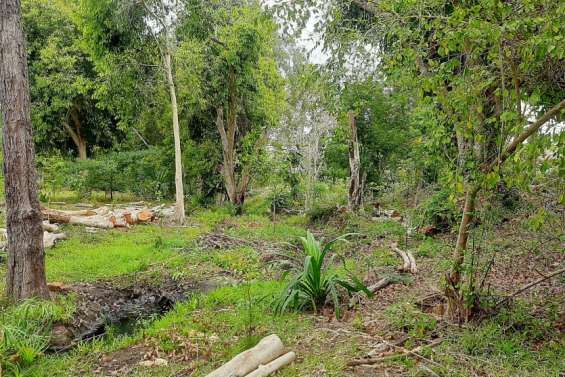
<point x="26" y="258"/>
<point x="179" y="189"/>
<point x="355" y="189"/>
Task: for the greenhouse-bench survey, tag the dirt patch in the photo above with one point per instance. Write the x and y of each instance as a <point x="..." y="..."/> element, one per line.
<point x="106" y="303"/>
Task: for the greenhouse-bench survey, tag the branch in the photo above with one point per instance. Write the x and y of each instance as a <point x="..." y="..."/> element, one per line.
<point x="530" y="285"/>
<point x="135" y="131"/>
<point x="216" y="40"/>
<point x="526" y="134"/>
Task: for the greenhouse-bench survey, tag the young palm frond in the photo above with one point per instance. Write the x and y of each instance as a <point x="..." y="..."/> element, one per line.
<point x="316" y="283"/>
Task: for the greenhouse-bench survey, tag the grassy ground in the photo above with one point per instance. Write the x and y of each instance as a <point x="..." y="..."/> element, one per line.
<point x="210" y="328"/>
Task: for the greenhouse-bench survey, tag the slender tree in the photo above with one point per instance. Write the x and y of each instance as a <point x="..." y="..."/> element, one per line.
<point x="26" y="259"/>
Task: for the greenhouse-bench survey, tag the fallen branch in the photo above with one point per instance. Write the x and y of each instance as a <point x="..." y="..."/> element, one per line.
<point x="404" y="352"/>
<point x="408" y="259"/>
<point x="381" y="284"/>
<point x="530" y="285"/>
<point x="273" y="366"/>
<point x="49" y="238"/>
<point x="267" y="350"/>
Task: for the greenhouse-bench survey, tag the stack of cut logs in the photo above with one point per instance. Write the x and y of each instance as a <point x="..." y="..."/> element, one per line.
<point x="103" y="217"/>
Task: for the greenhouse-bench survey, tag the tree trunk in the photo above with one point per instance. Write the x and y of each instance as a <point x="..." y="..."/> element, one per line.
<point x="458" y="309"/>
<point x="179" y="189"/>
<point x="355" y="189"/>
<point x="26" y="258"/>
<point x="235" y="191"/>
<point x="76" y="134"/>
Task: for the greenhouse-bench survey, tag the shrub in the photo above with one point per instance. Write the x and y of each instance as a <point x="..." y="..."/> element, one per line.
<point x="312" y="287"/>
<point x="439" y="210"/>
<point x="25" y="330"/>
<point x="147" y="173"/>
<point x="322" y="213"/>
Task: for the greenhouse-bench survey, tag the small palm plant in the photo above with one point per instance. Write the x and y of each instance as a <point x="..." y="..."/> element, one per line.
<point x="312" y="287"/>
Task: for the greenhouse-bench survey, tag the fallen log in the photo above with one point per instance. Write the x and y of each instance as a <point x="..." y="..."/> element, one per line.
<point x="267" y="350"/>
<point x="409" y="262"/>
<point x="63" y="217"/>
<point x="104" y="222"/>
<point x="273" y="366"/>
<point x="49" y="239"/>
<point x="48" y="227"/>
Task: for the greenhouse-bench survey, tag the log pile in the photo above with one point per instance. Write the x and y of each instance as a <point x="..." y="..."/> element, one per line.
<point x="103" y="217"/>
<point x="267" y="357"/>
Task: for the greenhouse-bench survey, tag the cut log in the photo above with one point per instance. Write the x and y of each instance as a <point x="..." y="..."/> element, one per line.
<point x="48" y="227"/>
<point x="273" y="366"/>
<point x="409" y="262"/>
<point x="62" y="217"/>
<point x="102" y="211"/>
<point x="49" y="239"/>
<point x="80" y="212"/>
<point x="267" y="350"/>
<point x="144" y="215"/>
<point x="93" y="221"/>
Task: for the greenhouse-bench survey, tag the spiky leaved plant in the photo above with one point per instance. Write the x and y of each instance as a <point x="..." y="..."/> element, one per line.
<point x="311" y="288"/>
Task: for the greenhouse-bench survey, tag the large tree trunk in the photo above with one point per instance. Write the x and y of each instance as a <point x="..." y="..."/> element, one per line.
<point x="179" y="189"/>
<point x="355" y="186"/>
<point x="26" y="259"/>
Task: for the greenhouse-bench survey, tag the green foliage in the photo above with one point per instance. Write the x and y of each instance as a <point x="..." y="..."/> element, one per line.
<point x="25" y="330"/>
<point x="147" y="173"/>
<point x="520" y="342"/>
<point x="316" y="284"/>
<point x="63" y="80"/>
<point x="438" y="210"/>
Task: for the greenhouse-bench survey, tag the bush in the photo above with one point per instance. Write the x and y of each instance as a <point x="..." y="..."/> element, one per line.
<point x="316" y="283"/>
<point x="148" y="173"/>
<point x="439" y="211"/>
<point x="322" y="213"/>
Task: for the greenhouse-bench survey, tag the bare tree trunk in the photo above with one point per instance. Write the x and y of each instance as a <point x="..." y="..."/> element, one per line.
<point x="456" y="308"/>
<point x="76" y="134"/>
<point x="355" y="189"/>
<point x="179" y="189"/>
<point x="26" y="259"/>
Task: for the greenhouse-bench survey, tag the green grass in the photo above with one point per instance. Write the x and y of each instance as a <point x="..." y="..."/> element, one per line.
<point x="105" y="254"/>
